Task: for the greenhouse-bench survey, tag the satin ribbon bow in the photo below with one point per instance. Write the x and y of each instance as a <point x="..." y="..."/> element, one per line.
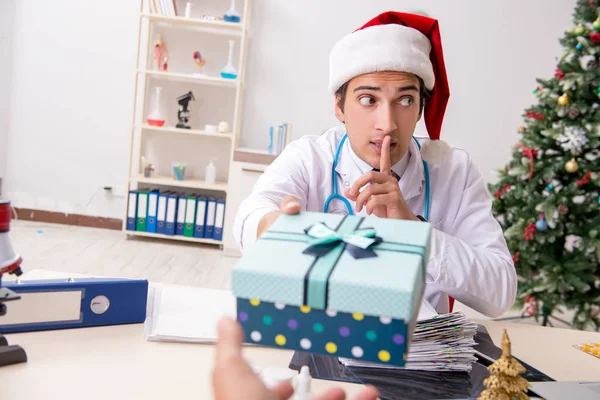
<point x="530" y="153"/>
<point x="358" y="243"/>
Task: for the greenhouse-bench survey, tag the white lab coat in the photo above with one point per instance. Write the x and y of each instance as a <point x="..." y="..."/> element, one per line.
<point x="469" y="259"/>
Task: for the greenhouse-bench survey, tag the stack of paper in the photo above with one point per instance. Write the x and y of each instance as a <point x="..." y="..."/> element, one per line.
<point x="442" y="343"/>
<point x="187" y="314"/>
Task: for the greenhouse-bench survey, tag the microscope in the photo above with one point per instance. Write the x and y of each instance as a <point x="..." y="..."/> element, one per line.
<point x="183" y="114"/>
<point x="10" y="263"/>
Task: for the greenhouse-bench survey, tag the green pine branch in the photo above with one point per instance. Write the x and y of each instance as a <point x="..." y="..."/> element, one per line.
<point x="559" y="265"/>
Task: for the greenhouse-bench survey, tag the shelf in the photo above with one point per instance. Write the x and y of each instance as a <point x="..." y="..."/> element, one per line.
<point x="193" y="132"/>
<point x="230" y="28"/>
<point x="188" y="183"/>
<point x="253" y="156"/>
<point x="200" y="79"/>
<point x="173" y="237"/>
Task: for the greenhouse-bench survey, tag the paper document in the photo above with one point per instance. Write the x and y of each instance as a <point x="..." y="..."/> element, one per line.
<point x="441" y="343"/>
<point x="187" y="314"/>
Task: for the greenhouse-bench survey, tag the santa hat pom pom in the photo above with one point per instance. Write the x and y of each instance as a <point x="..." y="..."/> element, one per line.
<point x="435" y="151"/>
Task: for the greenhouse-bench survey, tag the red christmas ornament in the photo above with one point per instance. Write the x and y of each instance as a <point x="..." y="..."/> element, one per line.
<point x="592" y="3"/>
<point x="529" y="232"/>
<point x="585" y="180"/>
<point x="559" y="74"/>
<point x="529" y="306"/>
<point x="538" y="116"/>
<point x="595" y="37"/>
<point x="530" y="114"/>
<point x="515" y="257"/>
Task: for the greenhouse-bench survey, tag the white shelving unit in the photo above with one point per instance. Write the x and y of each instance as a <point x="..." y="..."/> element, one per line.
<point x="199" y="33"/>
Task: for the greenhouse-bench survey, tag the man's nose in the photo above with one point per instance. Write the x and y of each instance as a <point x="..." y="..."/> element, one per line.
<point x="385" y="122"/>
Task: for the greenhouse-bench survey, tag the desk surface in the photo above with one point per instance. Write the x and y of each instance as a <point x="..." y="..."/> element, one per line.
<point x="117" y="363"/>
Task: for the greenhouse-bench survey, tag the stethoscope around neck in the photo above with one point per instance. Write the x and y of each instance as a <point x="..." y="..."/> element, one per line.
<point x="334" y="186"/>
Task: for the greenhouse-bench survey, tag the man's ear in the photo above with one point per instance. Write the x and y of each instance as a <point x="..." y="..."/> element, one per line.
<point x="338" y="110"/>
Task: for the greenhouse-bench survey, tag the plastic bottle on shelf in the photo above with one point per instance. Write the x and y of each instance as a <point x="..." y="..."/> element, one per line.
<point x="210" y="174"/>
<point x="156" y="116"/>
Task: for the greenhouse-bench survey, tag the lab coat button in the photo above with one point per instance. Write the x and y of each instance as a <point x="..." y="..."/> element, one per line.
<point x="346" y="183"/>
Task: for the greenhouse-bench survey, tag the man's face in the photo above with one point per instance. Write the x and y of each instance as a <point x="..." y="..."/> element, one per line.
<point x="380" y="104"/>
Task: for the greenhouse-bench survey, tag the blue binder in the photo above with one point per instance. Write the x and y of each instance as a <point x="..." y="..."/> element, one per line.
<point x="152" y="210"/>
<point x="132" y="210"/>
<point x="200" y="217"/>
<point x="161" y="214"/>
<point x="171" y="217"/>
<point x="180" y="219"/>
<point x="74" y="303"/>
<point x="211" y="208"/>
<point x="219" y="220"/>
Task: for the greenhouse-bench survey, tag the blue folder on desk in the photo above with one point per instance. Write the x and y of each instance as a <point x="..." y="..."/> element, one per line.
<point x="74" y="303"/>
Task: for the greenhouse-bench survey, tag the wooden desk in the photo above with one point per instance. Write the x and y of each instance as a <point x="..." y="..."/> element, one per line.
<point x="117" y="363"/>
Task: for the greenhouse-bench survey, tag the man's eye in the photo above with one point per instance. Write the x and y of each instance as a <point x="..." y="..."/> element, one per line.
<point x="366" y="100"/>
<point x="406" y="101"/>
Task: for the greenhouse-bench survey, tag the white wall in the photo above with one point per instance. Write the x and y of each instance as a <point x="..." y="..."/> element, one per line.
<point x="72" y="83"/>
<point x="71" y="98"/>
<point x="494" y="50"/>
<point x="7" y="14"/>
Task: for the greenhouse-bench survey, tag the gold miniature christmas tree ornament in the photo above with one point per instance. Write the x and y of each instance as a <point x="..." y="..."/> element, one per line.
<point x="504" y="382"/>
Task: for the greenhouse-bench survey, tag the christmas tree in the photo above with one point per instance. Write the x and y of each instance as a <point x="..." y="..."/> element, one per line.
<point x="547" y="198"/>
<point x="504" y="382"/>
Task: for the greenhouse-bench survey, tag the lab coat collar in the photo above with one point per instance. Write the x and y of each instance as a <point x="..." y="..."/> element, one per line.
<point x="412" y="181"/>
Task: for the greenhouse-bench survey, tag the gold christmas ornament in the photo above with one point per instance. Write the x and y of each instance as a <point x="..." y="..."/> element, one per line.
<point x="504" y="381"/>
<point x="579" y="30"/>
<point x="563" y="100"/>
<point x="571" y="166"/>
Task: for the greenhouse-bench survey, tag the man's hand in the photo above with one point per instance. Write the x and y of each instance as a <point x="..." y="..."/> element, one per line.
<point x="234" y="379"/>
<point x="383" y="198"/>
<point x="289" y="205"/>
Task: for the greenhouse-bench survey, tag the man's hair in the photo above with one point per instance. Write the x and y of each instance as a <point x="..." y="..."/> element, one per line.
<point x="424" y="94"/>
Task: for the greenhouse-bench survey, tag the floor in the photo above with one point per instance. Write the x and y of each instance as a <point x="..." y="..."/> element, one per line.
<point x="101" y="252"/>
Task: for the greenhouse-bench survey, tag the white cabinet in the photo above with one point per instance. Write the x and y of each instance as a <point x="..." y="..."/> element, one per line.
<point x="242" y="178"/>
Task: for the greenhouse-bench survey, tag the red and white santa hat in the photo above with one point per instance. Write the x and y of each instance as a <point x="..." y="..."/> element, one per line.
<point x="395" y="41"/>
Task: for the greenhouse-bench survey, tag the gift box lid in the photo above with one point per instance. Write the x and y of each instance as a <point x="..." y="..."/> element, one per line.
<point x="325" y="261"/>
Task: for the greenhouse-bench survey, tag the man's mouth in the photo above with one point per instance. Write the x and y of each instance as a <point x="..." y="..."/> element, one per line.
<point x="377" y="146"/>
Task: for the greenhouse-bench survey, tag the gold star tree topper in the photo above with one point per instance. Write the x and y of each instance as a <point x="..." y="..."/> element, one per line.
<point x="504" y="382"/>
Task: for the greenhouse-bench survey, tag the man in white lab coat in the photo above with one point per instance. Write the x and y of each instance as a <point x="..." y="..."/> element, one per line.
<point x="384" y="77"/>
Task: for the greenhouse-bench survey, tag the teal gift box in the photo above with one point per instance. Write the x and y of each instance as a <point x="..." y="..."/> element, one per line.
<point x="337" y="285"/>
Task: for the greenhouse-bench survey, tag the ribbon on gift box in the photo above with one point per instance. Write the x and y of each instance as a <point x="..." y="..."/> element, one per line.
<point x="328" y="245"/>
<point x="358" y="243"/>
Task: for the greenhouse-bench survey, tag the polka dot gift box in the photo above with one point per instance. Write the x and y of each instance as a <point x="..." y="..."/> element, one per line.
<point x="336" y="285"/>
